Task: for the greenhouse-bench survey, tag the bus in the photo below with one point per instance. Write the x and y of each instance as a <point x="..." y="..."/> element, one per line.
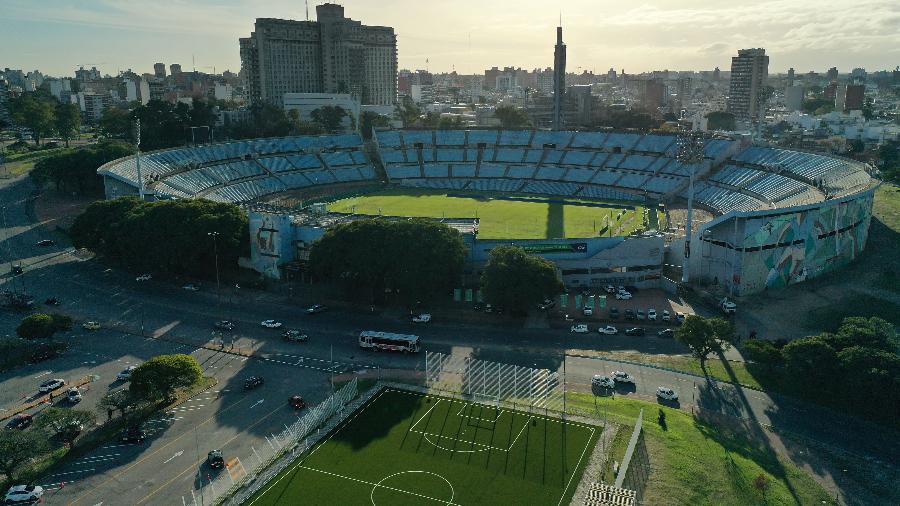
<point x="388" y="341"/>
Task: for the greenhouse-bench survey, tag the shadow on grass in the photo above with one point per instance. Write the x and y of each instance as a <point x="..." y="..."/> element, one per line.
<point x="556" y="222"/>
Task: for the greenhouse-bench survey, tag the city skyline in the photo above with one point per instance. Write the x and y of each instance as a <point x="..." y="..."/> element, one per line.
<point x="697" y="35"/>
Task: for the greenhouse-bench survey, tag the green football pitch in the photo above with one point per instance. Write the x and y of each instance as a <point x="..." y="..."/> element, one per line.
<point x="406" y="448"/>
<point x="506" y="216"/>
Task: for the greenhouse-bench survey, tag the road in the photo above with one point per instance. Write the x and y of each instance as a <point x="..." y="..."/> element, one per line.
<point x="141" y="319"/>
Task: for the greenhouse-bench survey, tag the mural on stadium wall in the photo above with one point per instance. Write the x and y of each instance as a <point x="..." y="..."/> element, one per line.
<point x="811" y="243"/>
<point x="269" y="235"/>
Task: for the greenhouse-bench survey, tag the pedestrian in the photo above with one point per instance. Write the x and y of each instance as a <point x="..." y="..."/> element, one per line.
<point x="109" y="414"/>
<point x="51" y="397"/>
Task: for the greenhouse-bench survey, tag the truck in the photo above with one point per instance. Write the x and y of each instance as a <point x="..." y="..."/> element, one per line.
<point x="727" y="306"/>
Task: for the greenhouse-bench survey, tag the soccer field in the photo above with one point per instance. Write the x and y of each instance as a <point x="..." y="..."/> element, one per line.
<point x="506" y="216"/>
<point x="406" y="448"/>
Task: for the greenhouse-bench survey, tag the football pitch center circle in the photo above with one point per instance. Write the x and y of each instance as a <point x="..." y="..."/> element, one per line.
<point x="381" y="485"/>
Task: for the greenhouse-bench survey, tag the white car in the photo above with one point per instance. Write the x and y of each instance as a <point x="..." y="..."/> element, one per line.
<point x="23" y="493"/>
<point x="651" y="314"/>
<point x="51" y="385"/>
<point x="271" y="324"/>
<point x="623" y="296"/>
<point x="191" y="287"/>
<point x="608" y="330"/>
<point x="579" y="328"/>
<point x="602" y="381"/>
<point x="73" y="395"/>
<point x="622" y="377"/>
<point x="90" y="325"/>
<point x="666" y="316"/>
<point x="666" y="394"/>
<point x="422" y="318"/>
<point x="144" y="277"/>
<point x="125" y="375"/>
<point x="588" y="311"/>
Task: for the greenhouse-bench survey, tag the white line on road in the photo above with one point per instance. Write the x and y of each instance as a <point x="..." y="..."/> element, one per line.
<point x="257" y="403"/>
<point x="177" y="454"/>
<point x="71" y="472"/>
<point x="43" y="374"/>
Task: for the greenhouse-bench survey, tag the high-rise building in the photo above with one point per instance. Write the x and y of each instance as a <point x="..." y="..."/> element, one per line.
<point x="334" y="54"/>
<point x="854" y="97"/>
<point x="793" y="97"/>
<point x="832" y="74"/>
<point x="175" y="69"/>
<point x="749" y="70"/>
<point x="87" y="75"/>
<point x="685" y="91"/>
<point x="159" y="70"/>
<point x="559" y="79"/>
<point x="790" y="76"/>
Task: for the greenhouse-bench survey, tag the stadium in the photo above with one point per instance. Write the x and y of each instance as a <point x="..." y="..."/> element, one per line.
<point x="606" y="207"/>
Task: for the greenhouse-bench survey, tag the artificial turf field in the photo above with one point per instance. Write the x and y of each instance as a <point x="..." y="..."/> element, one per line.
<point x="504" y="216"/>
<point x="406" y="448"/>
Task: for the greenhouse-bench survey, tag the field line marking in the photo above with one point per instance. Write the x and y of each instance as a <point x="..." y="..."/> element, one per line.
<point x="440" y="436"/>
<point x="426" y="414"/>
<point x="569" y="483"/>
<point x="444" y="501"/>
<point x="527" y="421"/>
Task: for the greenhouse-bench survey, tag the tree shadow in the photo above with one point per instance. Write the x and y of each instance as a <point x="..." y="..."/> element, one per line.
<point x="556" y="222"/>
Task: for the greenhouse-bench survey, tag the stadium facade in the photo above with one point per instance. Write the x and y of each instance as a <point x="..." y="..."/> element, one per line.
<point x="781" y="216"/>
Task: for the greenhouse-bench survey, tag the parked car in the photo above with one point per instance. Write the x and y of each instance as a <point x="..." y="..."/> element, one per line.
<point x="623" y="296"/>
<point x="666" y="316"/>
<point x="144" y="277"/>
<point x="44" y="242"/>
<point x="51" y="385"/>
<point x="679" y="317"/>
<point x="579" y="328"/>
<point x="21" y="421"/>
<point x="588" y="311"/>
<point x="316" y="309"/>
<point x="126" y="373"/>
<point x="622" y="377"/>
<point x="610" y="289"/>
<point x="271" y="324"/>
<point x="133" y="434"/>
<point x="651" y="314"/>
<point x="608" y="330"/>
<point x="668" y="333"/>
<point x="191" y="287"/>
<point x="602" y="381"/>
<point x="224" y="325"/>
<point x="215" y="460"/>
<point x="614" y="313"/>
<point x="52" y="301"/>
<point x="295" y="335"/>
<point x="629" y="314"/>
<point x="297" y="402"/>
<point x="91" y="325"/>
<point x="23" y="493"/>
<point x="478" y="306"/>
<point x="635" y="331"/>
<point x="547" y="304"/>
<point x="253" y="382"/>
<point x="73" y="395"/>
<point x="422" y="318"/>
<point x="666" y="394"/>
<point x="641" y="315"/>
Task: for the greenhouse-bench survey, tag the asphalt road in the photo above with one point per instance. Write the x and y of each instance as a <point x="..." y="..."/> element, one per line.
<point x="183" y="320"/>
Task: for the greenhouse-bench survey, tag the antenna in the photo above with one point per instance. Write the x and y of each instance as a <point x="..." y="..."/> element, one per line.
<point x="307" y="10"/>
<point x="194" y="63"/>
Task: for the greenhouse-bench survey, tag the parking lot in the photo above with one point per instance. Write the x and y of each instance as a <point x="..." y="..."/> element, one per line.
<point x="606" y="309"/>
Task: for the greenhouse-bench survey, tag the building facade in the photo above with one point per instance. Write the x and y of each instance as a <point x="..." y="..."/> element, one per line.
<point x="334" y="54"/>
<point x="749" y="71"/>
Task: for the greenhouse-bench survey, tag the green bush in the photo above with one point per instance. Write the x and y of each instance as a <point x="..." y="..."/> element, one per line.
<point x="763" y="352"/>
<point x="159" y="377"/>
<point x="36" y="326"/>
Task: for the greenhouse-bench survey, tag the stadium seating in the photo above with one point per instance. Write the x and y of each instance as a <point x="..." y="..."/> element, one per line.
<point x="492" y="170"/>
<point x="515" y="137"/>
<point x="403" y="171"/>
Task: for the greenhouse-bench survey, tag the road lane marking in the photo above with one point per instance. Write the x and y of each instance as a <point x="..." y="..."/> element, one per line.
<point x="177" y="454"/>
<point x="257" y="403"/>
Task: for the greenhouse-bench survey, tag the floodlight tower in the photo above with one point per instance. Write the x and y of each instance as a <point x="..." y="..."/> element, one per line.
<point x="690" y="153"/>
<point x="137" y="157"/>
<point x="559" y="77"/>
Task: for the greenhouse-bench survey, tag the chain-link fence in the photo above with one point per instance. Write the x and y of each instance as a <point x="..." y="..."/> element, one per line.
<point x="262" y="464"/>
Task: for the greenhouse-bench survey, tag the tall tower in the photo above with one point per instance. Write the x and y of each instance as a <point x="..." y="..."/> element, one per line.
<point x="559" y="79"/>
<point x="749" y="70"/>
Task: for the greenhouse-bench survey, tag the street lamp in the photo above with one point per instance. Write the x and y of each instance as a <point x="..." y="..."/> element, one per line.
<point x="215" y="236"/>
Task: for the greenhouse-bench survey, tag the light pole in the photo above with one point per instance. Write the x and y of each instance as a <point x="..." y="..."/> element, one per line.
<point x="690" y="152"/>
<point x="215" y="236"/>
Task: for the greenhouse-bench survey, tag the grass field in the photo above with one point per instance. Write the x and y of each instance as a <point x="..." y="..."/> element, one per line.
<point x="506" y="216"/>
<point x="405" y="448"/>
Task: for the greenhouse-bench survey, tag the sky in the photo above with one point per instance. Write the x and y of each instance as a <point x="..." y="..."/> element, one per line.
<point x="57" y="36"/>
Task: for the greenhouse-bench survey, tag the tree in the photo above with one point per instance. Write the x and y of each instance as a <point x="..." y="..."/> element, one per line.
<point x="817" y="106"/>
<point x="511" y="117"/>
<point x="68" y="121"/>
<point x="369" y="120"/>
<point x="300" y="127"/>
<point x="704" y="336"/>
<point x="35" y="114"/>
<point x="720" y="120"/>
<point x="61" y="420"/>
<point x="762" y="352"/>
<point x="408" y="112"/>
<point x="330" y="117"/>
<point x="874" y="333"/>
<point x="76" y="171"/>
<point x="159" y="377"/>
<point x="417" y="258"/>
<point x="163" y="125"/>
<point x="813" y="360"/>
<point x="18" y="447"/>
<point x="36" y="326"/>
<point x="517" y="280"/>
<point x="122" y="401"/>
<point x="116" y="123"/>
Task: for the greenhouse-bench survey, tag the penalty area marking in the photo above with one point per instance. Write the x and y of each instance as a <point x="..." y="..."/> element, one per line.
<point x="379" y="484"/>
<point x="468" y="404"/>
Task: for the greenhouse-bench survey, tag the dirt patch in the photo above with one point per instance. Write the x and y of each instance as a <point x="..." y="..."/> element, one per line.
<point x="59" y="209"/>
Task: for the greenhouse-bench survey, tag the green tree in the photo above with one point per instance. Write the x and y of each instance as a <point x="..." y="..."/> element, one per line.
<point x="300" y="127"/>
<point x="330" y="117"/>
<point x="762" y="352"/>
<point x="122" y="401"/>
<point x="55" y="420"/>
<point x="163" y="125"/>
<point x="76" y="170"/>
<point x="817" y="106"/>
<point x="517" y="280"/>
<point x="159" y="377"/>
<point x="369" y="120"/>
<point x="36" y="326"/>
<point x="68" y="121"/>
<point x="35" y="114"/>
<point x="874" y="333"/>
<point x="813" y="360"/>
<point x="704" y="336"/>
<point x="116" y="123"/>
<point x="418" y="258"/>
<point x="720" y="120"/>
<point x="408" y="112"/>
<point x="511" y="117"/>
<point x="18" y="447"/>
